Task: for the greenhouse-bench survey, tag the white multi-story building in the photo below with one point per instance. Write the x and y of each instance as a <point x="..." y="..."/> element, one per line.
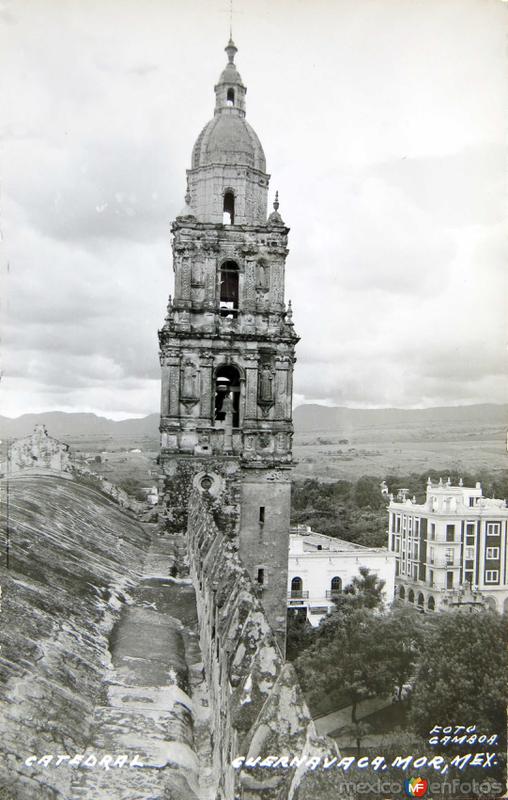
<point x="451" y="549"/>
<point x="320" y="567"/>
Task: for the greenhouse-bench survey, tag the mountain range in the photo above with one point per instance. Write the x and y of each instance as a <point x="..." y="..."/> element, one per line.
<point x="307" y="418"/>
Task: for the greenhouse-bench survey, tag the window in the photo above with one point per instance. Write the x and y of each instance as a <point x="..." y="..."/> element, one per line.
<point x="336" y="585"/>
<point x="493" y="528"/>
<point x="470" y="553"/>
<point x="228" y="208"/>
<point x="450" y="533"/>
<point x="296" y="587"/>
<point x="402" y="592"/>
<point x="261" y="515"/>
<point x="229" y="278"/>
<point x="227" y="394"/>
<point x="491" y="576"/>
<point x="470" y="533"/>
<point x="471" y="501"/>
<point x="449" y="556"/>
<point x="431" y="604"/>
<point x="449" y="580"/>
<point x="261" y="576"/>
<point x="230" y="98"/>
<point x="432" y="531"/>
<point x="431" y="555"/>
<point x="421" y="600"/>
<point x="411" y="596"/>
<point x="431" y="577"/>
<point x="397" y="524"/>
<point x="468" y="577"/>
<point x="492" y="552"/>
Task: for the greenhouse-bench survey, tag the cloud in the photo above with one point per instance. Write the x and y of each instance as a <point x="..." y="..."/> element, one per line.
<point x="388" y="153"/>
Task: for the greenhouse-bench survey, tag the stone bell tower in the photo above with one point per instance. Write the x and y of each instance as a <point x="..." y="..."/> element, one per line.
<point x="227" y="349"/>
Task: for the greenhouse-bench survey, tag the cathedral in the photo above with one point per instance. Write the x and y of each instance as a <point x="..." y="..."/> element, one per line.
<point x="227" y="349"/>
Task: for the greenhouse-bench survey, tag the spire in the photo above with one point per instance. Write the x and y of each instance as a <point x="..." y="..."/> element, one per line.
<point x="187" y="210"/>
<point x="231" y="49"/>
<point x="275" y="218"/>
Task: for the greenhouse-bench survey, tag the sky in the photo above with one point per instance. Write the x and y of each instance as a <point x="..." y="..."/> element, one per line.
<point x="384" y="124"/>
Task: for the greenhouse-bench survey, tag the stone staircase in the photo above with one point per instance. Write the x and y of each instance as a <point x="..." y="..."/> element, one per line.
<point x="154" y="708"/>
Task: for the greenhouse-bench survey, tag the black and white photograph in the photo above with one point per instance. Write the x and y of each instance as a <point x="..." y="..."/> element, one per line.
<point x="253" y="399"/>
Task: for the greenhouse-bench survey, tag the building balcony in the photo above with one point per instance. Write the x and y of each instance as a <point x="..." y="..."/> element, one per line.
<point x="298" y="594"/>
<point x="331" y="594"/>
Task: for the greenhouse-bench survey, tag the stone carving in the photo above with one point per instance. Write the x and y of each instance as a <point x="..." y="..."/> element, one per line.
<point x="264" y="440"/>
<point x="263" y="277"/>
<point x="186" y="279"/>
<point x="197" y="275"/>
<point x="190" y="381"/>
<point x="265" y="384"/>
<point x="265" y="388"/>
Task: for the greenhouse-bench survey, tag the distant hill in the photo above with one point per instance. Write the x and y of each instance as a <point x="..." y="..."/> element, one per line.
<point x="80" y="427"/>
<point x="73" y="428"/>
<point x="333" y="418"/>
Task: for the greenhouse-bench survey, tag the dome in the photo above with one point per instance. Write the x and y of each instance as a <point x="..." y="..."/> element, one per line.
<point x="230" y="74"/>
<point x="228" y="139"/>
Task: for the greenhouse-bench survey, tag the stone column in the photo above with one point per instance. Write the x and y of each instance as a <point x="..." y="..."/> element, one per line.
<point x="206" y="410"/>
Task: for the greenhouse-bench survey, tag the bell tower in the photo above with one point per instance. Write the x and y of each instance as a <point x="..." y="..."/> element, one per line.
<point x="227" y="350"/>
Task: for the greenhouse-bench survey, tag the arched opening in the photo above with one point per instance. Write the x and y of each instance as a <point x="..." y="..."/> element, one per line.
<point x="227" y="394"/>
<point x="228" y="217"/>
<point x="431" y="604"/>
<point x="402" y="593"/>
<point x="230" y="98"/>
<point x="421" y="600"/>
<point x="296" y="587"/>
<point x="411" y="596"/>
<point x="335" y="586"/>
<point x="229" y="289"/>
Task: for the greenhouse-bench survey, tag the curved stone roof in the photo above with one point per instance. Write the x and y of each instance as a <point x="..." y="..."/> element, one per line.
<point x="228" y="139"/>
<point x="230" y="74"/>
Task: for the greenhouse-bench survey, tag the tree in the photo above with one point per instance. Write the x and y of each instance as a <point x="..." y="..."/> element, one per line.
<point x="461" y="678"/>
<point x="401" y="630"/>
<point x="368" y="493"/>
<point x="299" y="633"/>
<point x="366" y="589"/>
<point x="347" y="656"/>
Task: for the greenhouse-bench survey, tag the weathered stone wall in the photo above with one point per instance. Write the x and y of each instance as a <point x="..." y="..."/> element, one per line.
<point x="264" y="540"/>
<point x="257" y="707"/>
<point x="39" y="451"/>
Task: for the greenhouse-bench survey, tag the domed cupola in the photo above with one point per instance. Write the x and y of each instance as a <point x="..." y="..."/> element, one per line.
<point x="230" y="91"/>
<point x="228" y="163"/>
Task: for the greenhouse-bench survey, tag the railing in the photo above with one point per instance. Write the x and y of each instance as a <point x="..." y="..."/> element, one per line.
<point x="298" y="594"/>
<point x="331" y="593"/>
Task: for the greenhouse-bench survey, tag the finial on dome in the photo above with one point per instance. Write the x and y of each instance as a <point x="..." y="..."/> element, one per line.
<point x="275" y="218"/>
<point x="231" y="49"/>
<point x="187" y="209"/>
<point x="169" y="309"/>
